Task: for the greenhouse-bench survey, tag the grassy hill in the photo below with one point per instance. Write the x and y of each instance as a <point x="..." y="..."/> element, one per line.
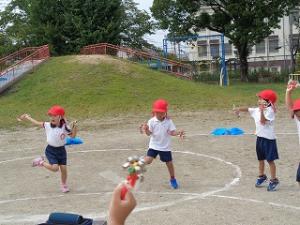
<point x="101" y="86"/>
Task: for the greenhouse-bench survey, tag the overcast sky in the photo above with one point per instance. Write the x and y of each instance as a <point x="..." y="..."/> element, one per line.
<point x="155" y="39"/>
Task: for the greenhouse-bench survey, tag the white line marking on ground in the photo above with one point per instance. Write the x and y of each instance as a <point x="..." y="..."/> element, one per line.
<point x="257" y="201"/>
<point x="192" y="196"/>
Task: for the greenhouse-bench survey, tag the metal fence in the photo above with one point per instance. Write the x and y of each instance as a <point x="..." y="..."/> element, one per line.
<point x="15" y="65"/>
<point x="151" y="60"/>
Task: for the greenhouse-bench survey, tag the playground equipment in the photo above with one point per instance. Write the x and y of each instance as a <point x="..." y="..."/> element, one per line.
<point x="15" y="65"/>
<point x="153" y="61"/>
<point x="215" y="53"/>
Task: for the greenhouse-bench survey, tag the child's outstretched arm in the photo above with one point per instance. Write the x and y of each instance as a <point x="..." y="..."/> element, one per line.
<point x="33" y="121"/>
<point x="288" y="97"/>
<point x="179" y="133"/>
<point x="237" y="110"/>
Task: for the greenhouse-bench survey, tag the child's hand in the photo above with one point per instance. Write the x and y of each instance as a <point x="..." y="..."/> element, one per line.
<point x="23" y="117"/>
<point x="120" y="209"/>
<point x="236" y="111"/>
<point x="292" y="84"/>
<point x="181" y="134"/>
<point x="144" y="128"/>
<point x="73" y="124"/>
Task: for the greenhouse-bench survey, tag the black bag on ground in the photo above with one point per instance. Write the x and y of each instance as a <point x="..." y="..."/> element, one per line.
<point x="58" y="218"/>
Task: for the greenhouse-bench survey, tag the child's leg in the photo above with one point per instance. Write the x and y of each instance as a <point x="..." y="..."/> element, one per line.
<point x="51" y="167"/>
<point x="63" y="170"/>
<point x="151" y="154"/>
<point x="148" y="159"/>
<point x="272" y="169"/>
<point x="171" y="170"/>
<point x="261" y="167"/>
<point x="298" y="175"/>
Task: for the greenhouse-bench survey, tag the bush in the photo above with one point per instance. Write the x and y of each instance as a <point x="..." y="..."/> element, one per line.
<point x="206" y="77"/>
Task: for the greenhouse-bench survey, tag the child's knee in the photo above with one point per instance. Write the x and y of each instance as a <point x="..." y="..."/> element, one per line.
<point x="148" y="159"/>
<point x="55" y="168"/>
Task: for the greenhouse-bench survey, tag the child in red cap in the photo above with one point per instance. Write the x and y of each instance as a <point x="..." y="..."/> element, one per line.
<point x="294" y="108"/>
<point x="56" y="132"/>
<point x="160" y="128"/>
<point x="266" y="147"/>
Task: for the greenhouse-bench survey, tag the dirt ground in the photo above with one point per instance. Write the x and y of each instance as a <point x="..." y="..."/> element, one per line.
<point x="216" y="174"/>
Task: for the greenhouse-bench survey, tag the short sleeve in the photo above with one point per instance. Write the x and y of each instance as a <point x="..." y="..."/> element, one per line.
<point x="269" y="114"/>
<point x="172" y="126"/>
<point x="46" y="125"/>
<point x="251" y="111"/>
<point x="150" y="125"/>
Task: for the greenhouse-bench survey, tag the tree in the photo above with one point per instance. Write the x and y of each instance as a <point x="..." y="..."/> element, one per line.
<point x="135" y="25"/>
<point x="245" y="23"/>
<point x="66" y="25"/>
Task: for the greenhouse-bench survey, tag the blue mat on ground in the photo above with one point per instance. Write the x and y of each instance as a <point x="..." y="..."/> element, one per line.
<point x="73" y="141"/>
<point x="227" y="131"/>
<point x="58" y="218"/>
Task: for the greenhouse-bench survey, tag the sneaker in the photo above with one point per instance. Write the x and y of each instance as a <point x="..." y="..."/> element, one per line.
<point x="38" y="161"/>
<point x="261" y="180"/>
<point x="273" y="185"/>
<point x="65" y="188"/>
<point x="173" y="183"/>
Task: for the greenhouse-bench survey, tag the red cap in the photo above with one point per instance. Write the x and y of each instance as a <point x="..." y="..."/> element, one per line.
<point x="269" y="95"/>
<point x="160" y="105"/>
<point x="296" y="105"/>
<point x="56" y="110"/>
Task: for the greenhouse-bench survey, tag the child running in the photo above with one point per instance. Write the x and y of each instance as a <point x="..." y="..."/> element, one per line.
<point x="294" y="108"/>
<point x="56" y="132"/>
<point x="160" y="128"/>
<point x="266" y="147"/>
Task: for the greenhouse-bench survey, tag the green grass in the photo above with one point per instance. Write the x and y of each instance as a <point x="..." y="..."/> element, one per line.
<point x="109" y="90"/>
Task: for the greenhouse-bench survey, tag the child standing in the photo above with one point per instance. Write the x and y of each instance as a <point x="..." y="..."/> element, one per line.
<point x="56" y="132"/>
<point x="294" y="108"/>
<point x="160" y="128"/>
<point x="266" y="147"/>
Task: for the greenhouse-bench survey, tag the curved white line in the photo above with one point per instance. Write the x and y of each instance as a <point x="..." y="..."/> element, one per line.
<point x="141" y="208"/>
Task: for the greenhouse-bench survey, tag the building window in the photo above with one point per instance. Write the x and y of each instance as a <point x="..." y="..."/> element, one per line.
<point x="295" y="40"/>
<point x="260" y="47"/>
<point x="228" y="49"/>
<point x="273" y="44"/>
<point x="202" y="48"/>
<point x="214" y="48"/>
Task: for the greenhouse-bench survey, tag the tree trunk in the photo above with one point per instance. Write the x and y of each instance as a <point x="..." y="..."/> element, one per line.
<point x="244" y="68"/>
<point x="243" y="53"/>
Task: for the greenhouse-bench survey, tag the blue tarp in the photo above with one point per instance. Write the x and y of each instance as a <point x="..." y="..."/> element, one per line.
<point x="227" y="131"/>
<point x="73" y="141"/>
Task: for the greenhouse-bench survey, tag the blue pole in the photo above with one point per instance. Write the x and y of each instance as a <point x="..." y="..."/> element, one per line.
<point x="165" y="47"/>
<point x="223" y="62"/>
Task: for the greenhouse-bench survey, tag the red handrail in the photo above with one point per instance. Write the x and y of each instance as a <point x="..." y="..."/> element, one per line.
<point x="103" y="48"/>
<point x="37" y="53"/>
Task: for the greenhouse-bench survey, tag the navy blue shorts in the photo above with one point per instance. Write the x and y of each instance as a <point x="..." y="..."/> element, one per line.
<point x="56" y="155"/>
<point x="164" y="156"/>
<point x="266" y="149"/>
<point x="298" y="174"/>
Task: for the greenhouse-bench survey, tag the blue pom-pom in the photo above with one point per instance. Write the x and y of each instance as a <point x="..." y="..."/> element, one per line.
<point x="73" y="141"/>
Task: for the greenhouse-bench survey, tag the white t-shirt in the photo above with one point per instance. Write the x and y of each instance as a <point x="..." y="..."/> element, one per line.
<point x="160" y="138"/>
<point x="298" y="126"/>
<point x="264" y="130"/>
<point x="56" y="136"/>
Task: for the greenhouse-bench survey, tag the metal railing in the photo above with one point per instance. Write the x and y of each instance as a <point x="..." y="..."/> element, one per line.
<point x="151" y="60"/>
<point x="15" y="65"/>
